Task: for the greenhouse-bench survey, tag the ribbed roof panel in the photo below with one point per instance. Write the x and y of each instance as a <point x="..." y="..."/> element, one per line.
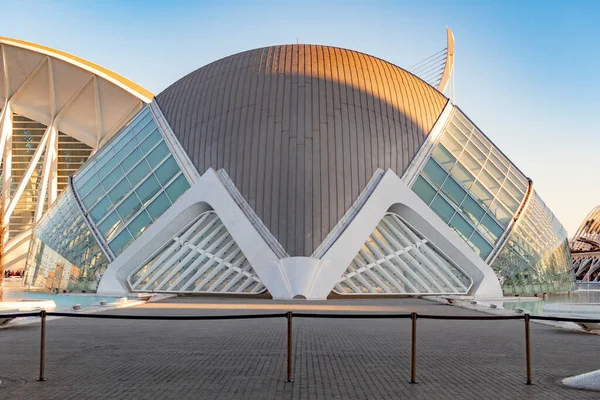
<point x="301" y="129"/>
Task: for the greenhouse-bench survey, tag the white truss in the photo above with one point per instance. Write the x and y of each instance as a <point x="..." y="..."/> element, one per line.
<point x="396" y="259"/>
<point x="202" y="258"/>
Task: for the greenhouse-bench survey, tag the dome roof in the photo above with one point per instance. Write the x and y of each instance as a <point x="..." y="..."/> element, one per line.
<point x="301" y="129"/>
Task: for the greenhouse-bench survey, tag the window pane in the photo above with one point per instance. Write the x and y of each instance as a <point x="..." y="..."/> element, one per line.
<point x="463" y="228"/>
<point x="501" y="213"/>
<point x="458" y="134"/>
<point x="489" y="182"/>
<point x="483" y="247"/>
<point x="113" y="178"/>
<point x="122" y="154"/>
<point x="494" y="171"/>
<point x="479" y="155"/>
<point x="442" y="208"/>
<point x="93" y="196"/>
<point x="167" y="170"/>
<point x="110" y="225"/>
<point x="131" y="159"/>
<point x="472" y="210"/>
<point x="434" y="172"/>
<point x="443" y="157"/>
<point x="512" y="189"/>
<point x="451" y="144"/>
<point x="148" y="189"/>
<point x="139" y="224"/>
<point x="105" y="170"/>
<point x="129" y="207"/>
<point x="482" y="194"/>
<point x="462" y="175"/>
<point x="490" y="228"/>
<point x="508" y="200"/>
<point x="453" y="191"/>
<point x="470" y="163"/>
<point x="138" y="173"/>
<point x="159" y="206"/>
<point x="120" y="242"/>
<point x="150" y="141"/>
<point x="120" y="190"/>
<point x="424" y="190"/>
<point x="88" y="186"/>
<point x="158" y="154"/>
<point x="177" y="188"/>
<point x="99" y="211"/>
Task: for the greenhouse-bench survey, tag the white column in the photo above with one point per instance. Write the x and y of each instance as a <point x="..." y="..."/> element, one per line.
<point x="6" y="131"/>
<point x="46" y="169"/>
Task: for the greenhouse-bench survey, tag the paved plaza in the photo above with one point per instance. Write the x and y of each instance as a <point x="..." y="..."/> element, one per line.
<point x="245" y="359"/>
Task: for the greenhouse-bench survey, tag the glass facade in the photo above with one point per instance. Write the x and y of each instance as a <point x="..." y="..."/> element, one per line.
<point x="478" y="192"/>
<point x="397" y="259"/>
<point x="130" y="182"/>
<point x="473" y="187"/>
<point x="202" y="258"/>
<point x="536" y="257"/>
<point x="63" y="253"/>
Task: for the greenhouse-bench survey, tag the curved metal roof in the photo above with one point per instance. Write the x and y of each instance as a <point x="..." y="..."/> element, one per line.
<point x="301" y="129"/>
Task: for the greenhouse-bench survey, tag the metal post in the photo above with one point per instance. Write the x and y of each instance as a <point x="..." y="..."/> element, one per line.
<point x="528" y="348"/>
<point x="289" y="378"/>
<point x="413" y="354"/>
<point x="42" y="345"/>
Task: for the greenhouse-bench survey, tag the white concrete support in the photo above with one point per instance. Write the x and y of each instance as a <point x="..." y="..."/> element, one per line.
<point x="46" y="169"/>
<point x="6" y="132"/>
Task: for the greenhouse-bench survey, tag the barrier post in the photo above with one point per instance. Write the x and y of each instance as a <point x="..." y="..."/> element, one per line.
<point x="289" y="316"/>
<point x="528" y="349"/>
<point x="413" y="353"/>
<point x="42" y="345"/>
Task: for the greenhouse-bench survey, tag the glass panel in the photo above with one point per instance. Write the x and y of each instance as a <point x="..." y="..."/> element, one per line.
<point x="161" y="204"/>
<point x="425" y="191"/>
<point x="442" y="208"/>
<point x="105" y="170"/>
<point x="139" y="224"/>
<point x="119" y="191"/>
<point x="443" y="157"/>
<point x="167" y="170"/>
<point x="513" y="190"/>
<point x="139" y="172"/>
<point x="494" y="171"/>
<point x="88" y="186"/>
<point x="508" y="200"/>
<point x="472" y="165"/>
<point x="462" y="175"/>
<point x="110" y="225"/>
<point x="458" y="134"/>
<point x="177" y="188"/>
<point x="476" y="153"/>
<point x="158" y="154"/>
<point x="99" y="211"/>
<point x="146" y="130"/>
<point x="453" y="191"/>
<point x="113" y="178"/>
<point x="434" y="172"/>
<point x="93" y="196"/>
<point x="463" y="228"/>
<point x="490" y="228"/>
<point x="120" y="242"/>
<point x="483" y="248"/>
<point x="131" y="159"/>
<point x="122" y="154"/>
<point x="482" y="194"/>
<point x="452" y="145"/>
<point x="472" y="210"/>
<point x="149" y="143"/>
<point x="148" y="189"/>
<point x="129" y="207"/>
<point x="489" y="182"/>
<point x="483" y="145"/>
<point x="501" y="214"/>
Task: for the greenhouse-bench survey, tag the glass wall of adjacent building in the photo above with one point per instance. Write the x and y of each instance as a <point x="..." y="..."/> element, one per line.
<point x="471" y="185"/>
<point x="536" y="257"/>
<point x="130" y="182"/>
<point x="63" y="253"/>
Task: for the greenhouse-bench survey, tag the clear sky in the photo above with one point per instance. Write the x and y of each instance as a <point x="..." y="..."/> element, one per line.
<point x="526" y="71"/>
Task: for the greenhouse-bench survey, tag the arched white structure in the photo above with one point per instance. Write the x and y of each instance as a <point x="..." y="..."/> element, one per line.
<point x="56" y="109"/>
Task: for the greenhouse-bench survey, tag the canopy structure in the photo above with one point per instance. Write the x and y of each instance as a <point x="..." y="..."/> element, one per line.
<point x="56" y="110"/>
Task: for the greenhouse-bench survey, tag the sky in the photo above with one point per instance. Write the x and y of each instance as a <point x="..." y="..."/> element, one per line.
<point x="526" y="72"/>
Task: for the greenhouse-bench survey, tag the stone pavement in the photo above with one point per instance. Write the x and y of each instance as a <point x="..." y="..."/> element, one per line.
<point x="245" y="359"/>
